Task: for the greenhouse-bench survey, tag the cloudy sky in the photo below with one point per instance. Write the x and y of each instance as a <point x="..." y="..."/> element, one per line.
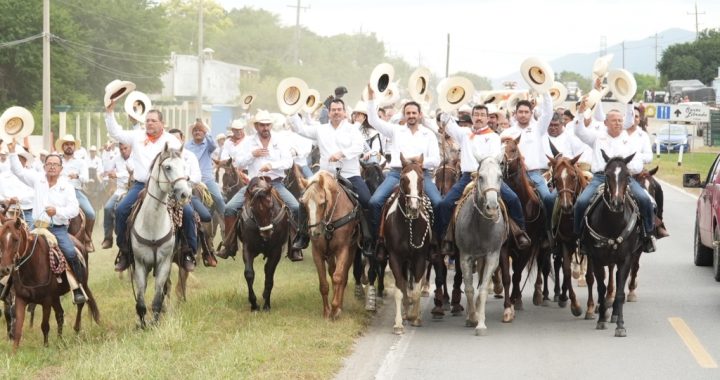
<point x="492" y="37"/>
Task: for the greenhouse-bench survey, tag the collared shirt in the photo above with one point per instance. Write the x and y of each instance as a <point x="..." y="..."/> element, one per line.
<point x="61" y="196"/>
<point x="108" y="156"/>
<point x="75" y="166"/>
<point x="144" y="151"/>
<point x="642" y="144"/>
<point x="122" y="170"/>
<point x="300" y="146"/>
<point x="230" y="148"/>
<point x="278" y="157"/>
<point x="80" y="153"/>
<point x="531" y="145"/>
<point x="192" y="166"/>
<point x="405" y="141"/>
<point x="612" y="146"/>
<point x="569" y="146"/>
<point x="12" y="187"/>
<point x="203" y="152"/>
<point x="346" y="138"/>
<point x="474" y="145"/>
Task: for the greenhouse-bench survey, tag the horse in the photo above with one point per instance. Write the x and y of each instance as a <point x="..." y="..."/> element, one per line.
<point x="612" y="236"/>
<point x="479" y="217"/>
<point x="263" y="227"/>
<point x="515" y="175"/>
<point x="291" y="181"/>
<point x="447" y="174"/>
<point x="332" y="223"/>
<point x="569" y="182"/>
<point x="231" y="181"/>
<point x="373" y="175"/>
<point x="407" y="229"/>
<point x="26" y="257"/>
<point x="152" y="234"/>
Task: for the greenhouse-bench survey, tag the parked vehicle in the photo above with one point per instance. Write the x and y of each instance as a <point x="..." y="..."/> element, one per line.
<point x="707" y="229"/>
<point x="574" y="93"/>
<point x="671" y="137"/>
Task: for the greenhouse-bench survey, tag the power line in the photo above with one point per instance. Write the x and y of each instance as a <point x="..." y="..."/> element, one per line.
<point x="90" y="50"/>
<point x="697" y="24"/>
<point x="20" y="41"/>
<point x="119" y="52"/>
<point x="105" y="68"/>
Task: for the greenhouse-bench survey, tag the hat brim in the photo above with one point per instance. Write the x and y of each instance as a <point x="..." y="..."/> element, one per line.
<point x="135" y="100"/>
<point x="558" y="93"/>
<point x="419" y="84"/>
<point x="622" y="84"/>
<point x="59" y="143"/>
<point x="537" y="74"/>
<point x="16" y="123"/>
<point x="291" y="94"/>
<point x="453" y="92"/>
<point x="116" y="90"/>
<point x="381" y="78"/>
<point x="312" y="101"/>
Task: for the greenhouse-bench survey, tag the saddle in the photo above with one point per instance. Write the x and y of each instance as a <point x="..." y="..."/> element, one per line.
<point x="600" y="241"/>
<point x="247" y="218"/>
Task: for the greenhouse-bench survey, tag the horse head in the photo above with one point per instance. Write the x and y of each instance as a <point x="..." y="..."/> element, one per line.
<point x="411" y="185"/>
<point x="171" y="175"/>
<point x="372" y="173"/>
<point x="567" y="179"/>
<point x="617" y="180"/>
<point x="13" y="243"/>
<point x="646" y="179"/>
<point x="259" y="201"/>
<point x="488" y="182"/>
<point x="512" y="157"/>
<point x="320" y="200"/>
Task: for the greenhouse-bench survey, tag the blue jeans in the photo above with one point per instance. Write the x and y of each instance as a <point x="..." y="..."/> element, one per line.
<point x="66" y="245"/>
<point x="122" y="212"/>
<point x="361" y="189"/>
<point x="200" y="208"/>
<point x="547" y="198"/>
<point x="27" y="215"/>
<point x="218" y="201"/>
<point x="233" y="206"/>
<point x="85" y="205"/>
<point x="306" y="171"/>
<point x="382" y="193"/>
<point x="109" y="215"/>
<point x="643" y="199"/>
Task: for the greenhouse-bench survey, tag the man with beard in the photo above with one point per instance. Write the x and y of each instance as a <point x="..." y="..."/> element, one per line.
<point x="76" y="171"/>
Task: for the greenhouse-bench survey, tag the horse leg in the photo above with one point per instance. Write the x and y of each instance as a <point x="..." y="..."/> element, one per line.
<point x="417" y="271"/>
<point x="558" y="266"/>
<point x="162" y="275"/>
<point x="497" y="283"/>
<point x="632" y="296"/>
<point x="466" y="262"/>
<point x="456" y="308"/>
<point x="340" y="277"/>
<point x="357" y="266"/>
<point x="400" y="294"/>
<point x="382" y="267"/>
<point x="140" y="275"/>
<point x="589" y="282"/>
<point x="371" y="295"/>
<point x="599" y="272"/>
<point x="425" y="284"/>
<point x="322" y="277"/>
<point x="491" y="264"/>
<point x="45" y="324"/>
<point x="20" y="305"/>
<point x="575" y="307"/>
<point x="248" y="260"/>
<point x="60" y="315"/>
<point x="610" y="296"/>
<point x="270" y="266"/>
<point x="440" y="277"/>
<point x="516" y="296"/>
<point x="623" y="272"/>
<point x="509" y="308"/>
<point x="547" y="266"/>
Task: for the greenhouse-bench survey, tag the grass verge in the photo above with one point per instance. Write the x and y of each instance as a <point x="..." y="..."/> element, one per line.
<point x="692" y="163"/>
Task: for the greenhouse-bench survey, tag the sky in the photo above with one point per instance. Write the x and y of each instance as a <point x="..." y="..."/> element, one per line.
<point x="492" y="37"/>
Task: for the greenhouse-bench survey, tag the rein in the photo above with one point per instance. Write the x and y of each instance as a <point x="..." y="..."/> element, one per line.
<point x="249" y="214"/>
<point x="330" y="226"/>
<point x="24" y="259"/>
<point x="495" y="218"/>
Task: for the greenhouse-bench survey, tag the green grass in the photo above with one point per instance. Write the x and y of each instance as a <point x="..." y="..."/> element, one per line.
<point x="213" y="335"/>
<point x="697" y="162"/>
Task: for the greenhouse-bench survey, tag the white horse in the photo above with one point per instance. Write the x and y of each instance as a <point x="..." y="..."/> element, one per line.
<point x="153" y="234"/>
<point x="480" y="231"/>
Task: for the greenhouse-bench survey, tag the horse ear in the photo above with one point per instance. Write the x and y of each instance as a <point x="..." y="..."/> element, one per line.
<point x="553" y="149"/>
<point x="575" y="159"/>
<point x="551" y="159"/>
<point x="165" y="149"/>
<point x="654" y="170"/>
<point x="629" y="158"/>
<point x="18" y="223"/>
<point x="517" y="140"/>
<point x="604" y="155"/>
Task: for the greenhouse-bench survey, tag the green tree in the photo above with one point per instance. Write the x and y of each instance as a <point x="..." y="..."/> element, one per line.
<point x="481" y="83"/>
<point x="692" y="60"/>
<point x="584" y="83"/>
<point x="644" y="82"/>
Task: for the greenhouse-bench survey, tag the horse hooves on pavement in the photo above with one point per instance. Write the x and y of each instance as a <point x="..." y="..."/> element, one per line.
<point x="481" y="331"/>
<point x="562" y="303"/>
<point x="498" y="296"/>
<point x="601" y="326"/>
<point x="416" y="323"/>
<point x="457" y="310"/>
<point x="470" y="323"/>
<point x="519" y="305"/>
<point x="620" y="332"/>
<point x="589" y="316"/>
<point x="399" y="330"/>
<point x="576" y="311"/>
<point x="632" y="297"/>
<point x="438" y="312"/>
<point x="545" y="303"/>
<point x="537" y="299"/>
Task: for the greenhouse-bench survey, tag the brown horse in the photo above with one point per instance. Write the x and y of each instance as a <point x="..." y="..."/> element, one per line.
<point x="408" y="231"/>
<point x="263" y="227"/>
<point x="332" y="222"/>
<point x="26" y="257"/>
<point x="515" y="175"/>
<point x="447" y="174"/>
<point x="231" y="180"/>
<point x="569" y="182"/>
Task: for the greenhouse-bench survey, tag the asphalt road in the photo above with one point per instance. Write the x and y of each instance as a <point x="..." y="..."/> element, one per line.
<point x="673" y="330"/>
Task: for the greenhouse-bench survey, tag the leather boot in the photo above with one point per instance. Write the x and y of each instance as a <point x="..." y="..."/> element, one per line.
<point x="521" y="239"/>
<point x="302" y="238"/>
<point x="295" y="254"/>
<point x="367" y="243"/>
<point x="89" y="224"/>
<point x="123" y="259"/>
<point x="107" y="242"/>
<point x="660" y="229"/>
<point x="79" y="272"/>
<point x="188" y="259"/>
<point x="229" y="244"/>
<point x="447" y="247"/>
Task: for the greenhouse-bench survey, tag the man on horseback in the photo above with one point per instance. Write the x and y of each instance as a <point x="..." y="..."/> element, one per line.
<point x="476" y="143"/>
<point x="266" y="156"/>
<point x="341" y="145"/>
<point x="76" y="172"/>
<point x="410" y="140"/>
<point x="203" y="146"/>
<point x="614" y="141"/>
<point x="119" y="170"/>
<point x="54" y="205"/>
<point x="146" y="145"/>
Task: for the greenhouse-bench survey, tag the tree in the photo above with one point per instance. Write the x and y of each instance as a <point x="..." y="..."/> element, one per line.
<point x="481" y="83"/>
<point x="584" y="83"/>
<point x="644" y="82"/>
<point x="692" y="60"/>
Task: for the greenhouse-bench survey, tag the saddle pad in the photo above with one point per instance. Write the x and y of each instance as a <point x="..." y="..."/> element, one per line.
<point x="51" y="239"/>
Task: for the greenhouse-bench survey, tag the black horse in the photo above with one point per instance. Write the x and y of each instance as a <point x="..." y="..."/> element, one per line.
<point x="612" y="236"/>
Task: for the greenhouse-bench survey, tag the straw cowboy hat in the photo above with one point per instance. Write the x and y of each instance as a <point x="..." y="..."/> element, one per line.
<point x="262" y="117"/>
<point x="381" y="77"/>
<point x="538" y="74"/>
<point x="593" y="98"/>
<point x="601" y="66"/>
<point x="291" y="95"/>
<point x="16" y="122"/>
<point x="419" y="84"/>
<point x="312" y="101"/>
<point x="116" y="90"/>
<point x="360" y="107"/>
<point x="220" y="136"/>
<point x="24" y="153"/>
<point x="278" y="122"/>
<point x="137" y="105"/>
<point x="247" y="100"/>
<point x="68" y="138"/>
<point x="238" y="124"/>
<point x="93" y="148"/>
<point x="453" y="92"/>
<point x="558" y="93"/>
<point x="622" y="84"/>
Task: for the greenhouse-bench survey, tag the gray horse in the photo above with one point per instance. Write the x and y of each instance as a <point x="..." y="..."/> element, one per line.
<point x="480" y="232"/>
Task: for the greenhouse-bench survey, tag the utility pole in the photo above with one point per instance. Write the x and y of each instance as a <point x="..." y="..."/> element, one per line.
<point x="623" y="50"/>
<point x="657" y="54"/>
<point x="298" y="8"/>
<point x="198" y="112"/>
<point x="447" y="57"/>
<point x="697" y="24"/>
<point x="47" y="140"/>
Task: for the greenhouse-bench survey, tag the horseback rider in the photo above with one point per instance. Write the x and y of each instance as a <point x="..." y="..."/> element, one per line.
<point x="119" y="170"/>
<point x="14" y="192"/>
<point x="76" y="171"/>
<point x="614" y="141"/>
<point x="477" y="142"/>
<point x="54" y="205"/>
<point x="203" y="146"/>
<point x="267" y="156"/>
<point x="410" y="140"/>
<point x="340" y="144"/>
<point x="146" y="144"/>
<point x="300" y="146"/>
<point x="373" y="150"/>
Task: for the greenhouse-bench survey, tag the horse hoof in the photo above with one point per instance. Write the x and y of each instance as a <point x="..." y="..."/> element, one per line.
<point x="576" y="311"/>
<point x="545" y="303"/>
<point x="469" y="323"/>
<point x="416" y="323"/>
<point x="457" y="310"/>
<point x="609" y="301"/>
<point x="266" y="308"/>
<point x="537" y="299"/>
<point x="508" y="315"/>
<point x="589" y="316"/>
<point x="601" y="326"/>
<point x="518" y="305"/>
<point x="498" y="296"/>
<point x="613" y="319"/>
<point x="481" y="331"/>
<point x="632" y="297"/>
<point x="438" y="312"/>
<point x="620" y="332"/>
<point x="398" y="330"/>
<point x="556" y="298"/>
<point x="562" y="303"/>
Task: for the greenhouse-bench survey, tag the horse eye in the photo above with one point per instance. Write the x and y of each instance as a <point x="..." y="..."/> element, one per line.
<point x="168" y="167"/>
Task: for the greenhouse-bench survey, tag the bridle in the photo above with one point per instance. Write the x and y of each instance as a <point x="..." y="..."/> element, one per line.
<point x="481" y="194"/>
<point x="326" y="223"/>
<point x="167" y="176"/>
<point x="572" y="191"/>
<point x="250" y="212"/>
<point x="424" y="209"/>
<point x="606" y="197"/>
<point x="22" y="256"/>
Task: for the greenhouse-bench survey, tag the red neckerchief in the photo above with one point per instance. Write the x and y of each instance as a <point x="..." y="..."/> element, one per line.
<point x="481" y="131"/>
<point x="151" y="139"/>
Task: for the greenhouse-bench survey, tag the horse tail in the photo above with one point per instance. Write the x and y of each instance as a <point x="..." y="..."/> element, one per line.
<point x="94" y="310"/>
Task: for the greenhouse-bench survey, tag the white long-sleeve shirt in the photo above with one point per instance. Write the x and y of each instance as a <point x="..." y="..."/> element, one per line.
<point x="108" y="156"/>
<point x="601" y="141"/>
<point x="122" y="168"/>
<point x="278" y="156"/>
<point x="531" y="144"/>
<point x="300" y="146"/>
<point x="483" y="143"/>
<point x="144" y="151"/>
<point x="75" y="166"/>
<point x="642" y="145"/>
<point x="404" y="141"/>
<point x="569" y="146"/>
<point x="13" y="187"/>
<point x="61" y="196"/>
<point x="346" y="138"/>
<point x="230" y="148"/>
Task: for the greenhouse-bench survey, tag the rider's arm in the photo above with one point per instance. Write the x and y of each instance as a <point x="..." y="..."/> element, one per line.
<point x="629" y="116"/>
<point x="432" y="160"/>
<point x="115" y="131"/>
<point x="84" y="172"/>
<point x="27" y="176"/>
<point x="385" y="128"/>
<point x="70" y="207"/>
<point x="546" y="113"/>
<point x="585" y="134"/>
<point x="298" y="126"/>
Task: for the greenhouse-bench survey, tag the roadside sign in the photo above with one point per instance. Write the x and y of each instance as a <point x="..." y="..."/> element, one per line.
<point x="662" y="112"/>
<point x="692" y="112"/>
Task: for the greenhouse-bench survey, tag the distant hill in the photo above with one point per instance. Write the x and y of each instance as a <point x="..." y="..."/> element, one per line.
<point x="639" y="56"/>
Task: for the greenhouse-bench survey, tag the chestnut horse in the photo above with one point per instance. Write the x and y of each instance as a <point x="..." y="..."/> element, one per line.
<point x="407" y="229"/>
<point x="26" y="258"/>
<point x="332" y="223"/>
<point x="263" y="228"/>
